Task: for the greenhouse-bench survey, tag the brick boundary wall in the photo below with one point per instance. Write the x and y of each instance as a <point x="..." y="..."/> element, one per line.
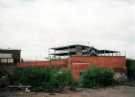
<point x="81" y="63"/>
<point x="78" y="64"/>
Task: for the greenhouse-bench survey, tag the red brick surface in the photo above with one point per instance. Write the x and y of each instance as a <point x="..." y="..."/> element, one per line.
<point x="78" y="64"/>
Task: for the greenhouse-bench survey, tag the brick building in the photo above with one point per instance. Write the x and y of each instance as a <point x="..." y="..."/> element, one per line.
<point x="78" y="58"/>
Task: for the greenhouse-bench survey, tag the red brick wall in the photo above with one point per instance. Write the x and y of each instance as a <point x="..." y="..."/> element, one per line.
<point x="76" y="68"/>
<point x="104" y="61"/>
<point x="33" y="64"/>
<point x="57" y="63"/>
<point x="80" y="63"/>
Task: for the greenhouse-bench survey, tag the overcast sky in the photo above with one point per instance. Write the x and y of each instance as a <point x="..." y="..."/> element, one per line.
<point x="36" y="25"/>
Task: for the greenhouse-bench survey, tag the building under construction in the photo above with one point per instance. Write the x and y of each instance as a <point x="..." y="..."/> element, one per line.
<point x="80" y="50"/>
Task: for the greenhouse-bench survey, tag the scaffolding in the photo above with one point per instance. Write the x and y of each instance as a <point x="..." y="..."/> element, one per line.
<point x="79" y="50"/>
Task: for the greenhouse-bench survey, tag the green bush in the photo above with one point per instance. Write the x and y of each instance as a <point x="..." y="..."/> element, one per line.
<point x="43" y="79"/>
<point x="74" y="85"/>
<point x="96" y="77"/>
<point x="131" y="69"/>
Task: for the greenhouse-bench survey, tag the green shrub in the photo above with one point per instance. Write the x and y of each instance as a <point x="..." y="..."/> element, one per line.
<point x="96" y="77"/>
<point x="43" y="79"/>
<point x="131" y="69"/>
<point x="74" y="85"/>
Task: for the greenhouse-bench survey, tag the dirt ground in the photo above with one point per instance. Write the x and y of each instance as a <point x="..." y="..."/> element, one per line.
<point x="117" y="91"/>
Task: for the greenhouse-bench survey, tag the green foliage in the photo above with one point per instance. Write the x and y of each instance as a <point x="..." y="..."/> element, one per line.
<point x="54" y="79"/>
<point x="43" y="79"/>
<point x="74" y="85"/>
<point x="96" y="77"/>
<point x="131" y="69"/>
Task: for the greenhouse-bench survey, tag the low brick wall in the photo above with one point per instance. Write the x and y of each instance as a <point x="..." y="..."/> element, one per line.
<point x="78" y="64"/>
<point x="81" y="63"/>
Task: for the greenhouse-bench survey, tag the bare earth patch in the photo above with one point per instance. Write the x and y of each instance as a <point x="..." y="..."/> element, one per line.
<point x="117" y="91"/>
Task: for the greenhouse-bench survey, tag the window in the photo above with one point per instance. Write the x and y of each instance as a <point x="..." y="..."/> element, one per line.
<point x="5" y="55"/>
<point x="10" y="60"/>
<point x="3" y="60"/>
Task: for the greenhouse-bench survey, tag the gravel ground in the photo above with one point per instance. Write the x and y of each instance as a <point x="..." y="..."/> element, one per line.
<point x="117" y="91"/>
